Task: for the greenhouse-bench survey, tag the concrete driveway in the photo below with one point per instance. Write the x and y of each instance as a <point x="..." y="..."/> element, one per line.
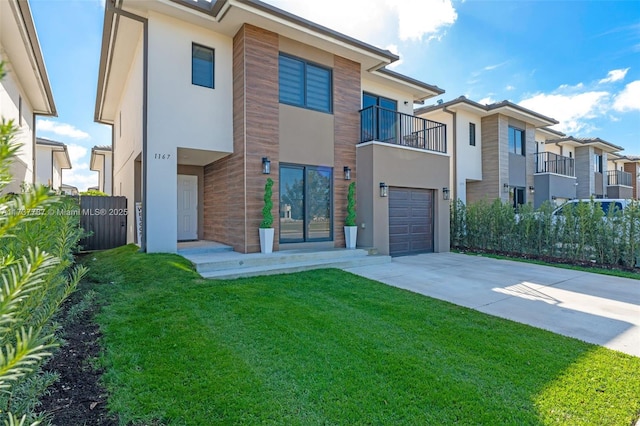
<point x="591" y="307"/>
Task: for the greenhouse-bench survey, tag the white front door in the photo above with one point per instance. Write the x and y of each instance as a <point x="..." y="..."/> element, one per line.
<point x="187" y="207"/>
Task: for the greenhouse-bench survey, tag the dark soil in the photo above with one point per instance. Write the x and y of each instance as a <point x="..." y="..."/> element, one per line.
<point x="77" y="398"/>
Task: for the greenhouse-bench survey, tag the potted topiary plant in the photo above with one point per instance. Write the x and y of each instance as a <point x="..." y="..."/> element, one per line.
<point x="266" y="226"/>
<point x="350" y="228"/>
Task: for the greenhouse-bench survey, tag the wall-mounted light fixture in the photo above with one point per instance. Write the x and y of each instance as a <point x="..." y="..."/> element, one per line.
<point x="266" y="166"/>
<point x="532" y="189"/>
<point x="347" y="173"/>
<point x="505" y="187"/>
<point x="445" y="193"/>
<point x="384" y="189"/>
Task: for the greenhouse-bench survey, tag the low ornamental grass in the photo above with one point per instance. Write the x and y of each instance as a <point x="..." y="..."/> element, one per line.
<point x="581" y="234"/>
<point x="329" y="347"/>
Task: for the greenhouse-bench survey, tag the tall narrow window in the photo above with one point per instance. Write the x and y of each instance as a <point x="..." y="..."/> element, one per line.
<point x="516" y="141"/>
<point x="202" y="66"/>
<point x="472" y="134"/>
<point x="597" y="163"/>
<point x="20" y="111"/>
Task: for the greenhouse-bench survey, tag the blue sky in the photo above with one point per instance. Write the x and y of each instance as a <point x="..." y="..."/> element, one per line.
<point x="576" y="61"/>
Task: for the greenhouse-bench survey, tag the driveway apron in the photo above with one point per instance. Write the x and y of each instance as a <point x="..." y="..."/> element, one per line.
<point x="592" y="307"/>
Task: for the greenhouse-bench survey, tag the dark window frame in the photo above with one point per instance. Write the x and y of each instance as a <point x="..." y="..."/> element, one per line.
<point x="306" y="64"/>
<point x="195" y="46"/>
<point x="19" y="111"/>
<point x="472" y="134"/>
<point x="597" y="160"/>
<point x="305" y="238"/>
<point x="513" y="147"/>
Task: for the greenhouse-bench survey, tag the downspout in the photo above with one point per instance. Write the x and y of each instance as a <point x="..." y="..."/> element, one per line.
<point x="34" y="152"/>
<point x="145" y="66"/>
<point x="454" y="157"/>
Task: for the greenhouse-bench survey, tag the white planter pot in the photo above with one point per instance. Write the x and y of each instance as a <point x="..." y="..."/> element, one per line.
<point x="350" y="236"/>
<point x="266" y="240"/>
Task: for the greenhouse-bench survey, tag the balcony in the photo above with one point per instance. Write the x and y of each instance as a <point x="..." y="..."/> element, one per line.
<point x="549" y="162"/>
<point x="393" y="127"/>
<point x="618" y="178"/>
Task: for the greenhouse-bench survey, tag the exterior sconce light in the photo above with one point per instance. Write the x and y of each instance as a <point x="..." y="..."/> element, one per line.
<point x="505" y="187"/>
<point x="266" y="166"/>
<point x="532" y="189"/>
<point x="384" y="189"/>
<point x="347" y="173"/>
<point x="445" y="193"/>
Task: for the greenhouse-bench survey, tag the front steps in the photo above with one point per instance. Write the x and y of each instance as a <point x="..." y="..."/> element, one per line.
<point x="225" y="264"/>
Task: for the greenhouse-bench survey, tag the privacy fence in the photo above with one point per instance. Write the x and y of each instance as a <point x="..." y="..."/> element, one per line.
<point x="582" y="234"/>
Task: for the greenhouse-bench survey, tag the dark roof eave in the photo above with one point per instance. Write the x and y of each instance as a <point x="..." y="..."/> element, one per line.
<point x="217" y="6"/>
<point x="487" y="108"/>
<point x="25" y="11"/>
<point x="431" y="88"/>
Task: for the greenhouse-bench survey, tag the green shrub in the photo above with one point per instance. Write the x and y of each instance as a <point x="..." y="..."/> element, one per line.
<point x="350" y="219"/>
<point x="581" y="234"/>
<point x="267" y="217"/>
<point x="37" y="240"/>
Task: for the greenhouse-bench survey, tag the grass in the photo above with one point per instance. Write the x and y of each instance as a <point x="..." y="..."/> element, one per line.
<point x="593" y="269"/>
<point x="328" y="347"/>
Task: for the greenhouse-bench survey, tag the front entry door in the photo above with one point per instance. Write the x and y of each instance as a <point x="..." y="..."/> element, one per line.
<point x="187" y="207"/>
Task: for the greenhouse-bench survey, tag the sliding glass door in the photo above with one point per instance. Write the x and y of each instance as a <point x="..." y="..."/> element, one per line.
<point x="305" y="204"/>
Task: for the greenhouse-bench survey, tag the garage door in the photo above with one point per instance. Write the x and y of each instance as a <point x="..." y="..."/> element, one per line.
<point x="410" y="221"/>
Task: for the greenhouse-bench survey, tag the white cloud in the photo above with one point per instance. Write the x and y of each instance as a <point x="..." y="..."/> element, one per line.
<point x="61" y="129"/>
<point x="494" y="66"/>
<point x="572" y="109"/>
<point x="76" y="153"/>
<point x="509" y="87"/>
<point x="614" y="75"/>
<point x="419" y="18"/>
<point x="487" y="101"/>
<point x="378" y="22"/>
<point x="81" y="179"/>
<point x="629" y="98"/>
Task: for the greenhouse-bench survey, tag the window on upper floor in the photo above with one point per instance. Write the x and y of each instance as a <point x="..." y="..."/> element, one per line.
<point x="305" y="84"/>
<point x="202" y="65"/>
<point x="597" y="163"/>
<point x="516" y="141"/>
<point x="472" y="134"/>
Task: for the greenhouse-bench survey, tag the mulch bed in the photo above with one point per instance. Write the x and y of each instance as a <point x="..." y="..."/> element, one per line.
<point x="77" y="398"/>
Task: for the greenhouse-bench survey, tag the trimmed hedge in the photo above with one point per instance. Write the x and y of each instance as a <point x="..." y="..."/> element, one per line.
<point x="582" y="234"/>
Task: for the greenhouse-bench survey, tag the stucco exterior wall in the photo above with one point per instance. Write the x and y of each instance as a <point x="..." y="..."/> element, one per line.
<point x="399" y="96"/>
<point x="127" y="141"/>
<point x="11" y="96"/>
<point x="400" y="167"/>
<point x="180" y="114"/>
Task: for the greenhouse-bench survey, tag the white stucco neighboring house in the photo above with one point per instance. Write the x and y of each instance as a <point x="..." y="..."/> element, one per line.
<point x="102" y="162"/>
<point x="51" y="158"/>
<point x="25" y="91"/>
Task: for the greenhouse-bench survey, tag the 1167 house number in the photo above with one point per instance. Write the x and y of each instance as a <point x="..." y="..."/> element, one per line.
<point x="161" y="156"/>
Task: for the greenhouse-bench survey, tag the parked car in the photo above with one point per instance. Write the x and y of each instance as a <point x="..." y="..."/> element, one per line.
<point x="606" y="204"/>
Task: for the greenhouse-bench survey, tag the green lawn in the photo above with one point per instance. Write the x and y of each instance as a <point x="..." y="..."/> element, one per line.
<point x="328" y="347"/>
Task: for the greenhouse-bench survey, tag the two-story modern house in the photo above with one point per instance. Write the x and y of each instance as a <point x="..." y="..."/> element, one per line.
<point x="591" y="160"/>
<point x="555" y="172"/>
<point x="52" y="157"/>
<point x="25" y="90"/>
<point x="494" y="149"/>
<point x="208" y="99"/>
<point x="102" y="162"/>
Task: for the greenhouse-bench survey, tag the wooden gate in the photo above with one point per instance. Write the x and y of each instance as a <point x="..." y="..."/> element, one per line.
<point x="106" y="219"/>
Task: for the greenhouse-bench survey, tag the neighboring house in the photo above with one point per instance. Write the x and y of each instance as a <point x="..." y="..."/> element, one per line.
<point x="102" y="162"/>
<point x="25" y="91"/>
<point x="555" y="174"/>
<point x="51" y="158"/>
<point x="204" y="97"/>
<point x="68" y="189"/>
<point x="591" y="161"/>
<point x="632" y="166"/>
<point x="494" y="149"/>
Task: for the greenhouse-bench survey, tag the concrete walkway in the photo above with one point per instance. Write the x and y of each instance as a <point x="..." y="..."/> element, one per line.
<point x="595" y="308"/>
